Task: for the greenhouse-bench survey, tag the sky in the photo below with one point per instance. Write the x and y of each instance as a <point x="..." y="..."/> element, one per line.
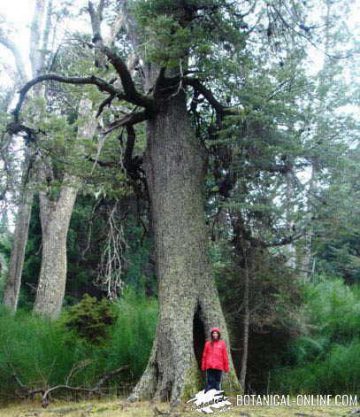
<point x="19" y="13"/>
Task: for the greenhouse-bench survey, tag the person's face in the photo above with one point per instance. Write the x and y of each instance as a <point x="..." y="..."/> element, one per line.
<point x="215" y="335"/>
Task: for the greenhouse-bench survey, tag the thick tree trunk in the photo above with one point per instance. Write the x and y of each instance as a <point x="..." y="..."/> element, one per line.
<point x="55" y="219"/>
<point x="175" y="166"/>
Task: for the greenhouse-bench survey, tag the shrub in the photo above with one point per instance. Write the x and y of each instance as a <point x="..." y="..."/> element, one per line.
<point x="43" y="352"/>
<point x="327" y="358"/>
<point x="91" y="318"/>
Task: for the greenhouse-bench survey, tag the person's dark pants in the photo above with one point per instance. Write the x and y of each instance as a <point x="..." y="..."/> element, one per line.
<point x="213" y="379"/>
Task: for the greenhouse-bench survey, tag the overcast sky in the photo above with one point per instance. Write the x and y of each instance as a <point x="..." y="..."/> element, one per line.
<point x="18" y="13"/>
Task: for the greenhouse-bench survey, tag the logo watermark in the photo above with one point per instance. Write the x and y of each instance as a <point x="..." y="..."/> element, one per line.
<point x="278" y="400"/>
<point x="214" y="401"/>
<point x="210" y="402"/>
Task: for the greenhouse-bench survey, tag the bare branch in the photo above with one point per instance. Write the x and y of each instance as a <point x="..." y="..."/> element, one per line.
<point x="131" y="94"/>
<point x="284" y="241"/>
<point x="112" y="261"/>
<point x="15" y="128"/>
<point x="130" y="143"/>
<point x="27" y="392"/>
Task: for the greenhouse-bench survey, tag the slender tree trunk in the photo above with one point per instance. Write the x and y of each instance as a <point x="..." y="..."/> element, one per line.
<point x="246" y="324"/>
<point x="291" y="250"/>
<point x="175" y="167"/>
<point x="306" y="256"/>
<point x="308" y="261"/>
<point x="13" y="282"/>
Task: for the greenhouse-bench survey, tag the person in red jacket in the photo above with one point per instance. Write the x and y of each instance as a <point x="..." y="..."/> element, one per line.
<point x="214" y="359"/>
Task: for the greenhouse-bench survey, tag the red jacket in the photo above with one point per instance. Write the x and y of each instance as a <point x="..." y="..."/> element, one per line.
<point x="215" y="356"/>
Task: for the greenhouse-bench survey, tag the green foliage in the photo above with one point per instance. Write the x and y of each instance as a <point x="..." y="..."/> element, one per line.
<point x="37" y="350"/>
<point x="134" y="332"/>
<point x="275" y="299"/>
<point x="338" y="372"/>
<point x="165" y="41"/>
<point x="5" y="248"/>
<point x="91" y="318"/>
<point x="334" y="308"/>
<point x="326" y="357"/>
<point x="336" y="224"/>
<point x="44" y="352"/>
<point x="170" y="32"/>
<point x="249" y="58"/>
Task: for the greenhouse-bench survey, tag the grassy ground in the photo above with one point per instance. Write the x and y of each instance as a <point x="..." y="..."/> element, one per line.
<point x="121" y="408"/>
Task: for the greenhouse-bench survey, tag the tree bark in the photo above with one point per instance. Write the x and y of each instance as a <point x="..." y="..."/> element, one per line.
<point x="20" y="237"/>
<point x="175" y="166"/>
<point x="55" y="219"/>
<point x="291" y="249"/>
<point x="306" y="255"/>
<point x="246" y="324"/>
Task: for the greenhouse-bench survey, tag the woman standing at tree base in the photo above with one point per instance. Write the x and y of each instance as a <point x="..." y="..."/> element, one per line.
<point x="214" y="359"/>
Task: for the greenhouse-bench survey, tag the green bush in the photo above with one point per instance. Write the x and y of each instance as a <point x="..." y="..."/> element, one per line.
<point x="91" y="318"/>
<point x="43" y="352"/>
<point x="327" y="358"/>
<point x="134" y="332"/>
<point x="337" y="372"/>
<point x="37" y="350"/>
<point x="333" y="309"/>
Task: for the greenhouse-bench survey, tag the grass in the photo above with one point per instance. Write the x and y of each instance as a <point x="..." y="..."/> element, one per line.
<point x="117" y="407"/>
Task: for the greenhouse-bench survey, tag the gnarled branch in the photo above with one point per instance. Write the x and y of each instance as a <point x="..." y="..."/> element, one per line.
<point x="92" y="80"/>
<point x="131" y="94"/>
